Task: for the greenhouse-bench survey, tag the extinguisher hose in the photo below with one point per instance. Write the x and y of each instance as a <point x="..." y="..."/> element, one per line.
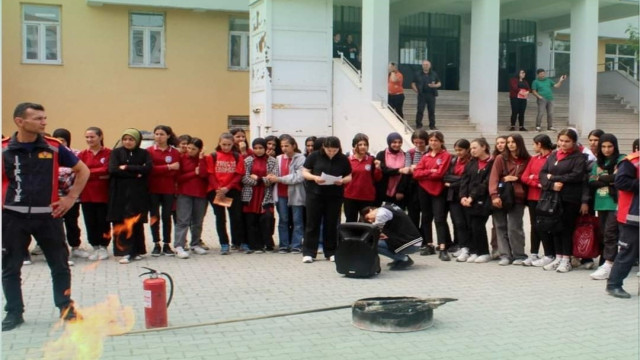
<point x="260" y="317"/>
<point x="171" y="287"/>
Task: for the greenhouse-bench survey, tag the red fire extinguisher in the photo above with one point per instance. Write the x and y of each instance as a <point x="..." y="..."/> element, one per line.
<point x="155" y="298"/>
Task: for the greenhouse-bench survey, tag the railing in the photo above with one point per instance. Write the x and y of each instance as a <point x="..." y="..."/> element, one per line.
<point x="616" y="65"/>
<point x="350" y="65"/>
<point x="407" y="128"/>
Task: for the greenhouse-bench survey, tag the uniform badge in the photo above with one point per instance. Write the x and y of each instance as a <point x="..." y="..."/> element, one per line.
<point x="168" y="159"/>
<point x="45" y="155"/>
<point x="367" y="167"/>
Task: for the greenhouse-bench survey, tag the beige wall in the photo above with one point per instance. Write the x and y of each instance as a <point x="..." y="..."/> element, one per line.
<point x="194" y="94"/>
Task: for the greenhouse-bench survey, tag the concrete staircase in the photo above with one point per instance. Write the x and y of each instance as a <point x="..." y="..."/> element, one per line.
<point x="452" y="117"/>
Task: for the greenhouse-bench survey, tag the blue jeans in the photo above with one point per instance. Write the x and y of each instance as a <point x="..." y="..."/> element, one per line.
<point x="293" y="241"/>
<point x="383" y="249"/>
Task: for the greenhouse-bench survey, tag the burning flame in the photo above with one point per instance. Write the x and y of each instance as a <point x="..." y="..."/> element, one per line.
<point x="125" y="228"/>
<point x="83" y="338"/>
<point x="153" y="220"/>
<point x="107" y="235"/>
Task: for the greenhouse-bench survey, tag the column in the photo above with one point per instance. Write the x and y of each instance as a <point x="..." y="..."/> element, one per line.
<point x="375" y="48"/>
<point x="584" y="65"/>
<point x="483" y="77"/>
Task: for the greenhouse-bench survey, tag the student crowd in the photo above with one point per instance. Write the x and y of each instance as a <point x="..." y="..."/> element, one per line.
<point x="247" y="183"/>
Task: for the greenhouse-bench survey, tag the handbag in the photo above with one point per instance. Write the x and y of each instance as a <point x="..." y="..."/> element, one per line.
<point x="585" y="237"/>
<point x="505" y="190"/>
<point x="523" y="94"/>
<point x="549" y="212"/>
<point x="480" y="208"/>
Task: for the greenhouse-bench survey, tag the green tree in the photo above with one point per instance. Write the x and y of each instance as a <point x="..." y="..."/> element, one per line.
<point x="633" y="39"/>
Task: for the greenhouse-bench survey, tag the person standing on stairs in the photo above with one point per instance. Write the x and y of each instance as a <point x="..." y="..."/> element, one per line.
<point x="542" y="88"/>
<point x="426" y="83"/>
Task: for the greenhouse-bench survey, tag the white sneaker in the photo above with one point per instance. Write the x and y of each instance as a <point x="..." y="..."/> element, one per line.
<point x="602" y="273"/>
<point x="27" y="262"/>
<point x="71" y="263"/>
<point x="529" y="261"/>
<point x="483" y="259"/>
<point x="542" y="261"/>
<point x="307" y="259"/>
<point x="332" y="258"/>
<point x="564" y="266"/>
<point x="125" y="259"/>
<point x="103" y="254"/>
<point x="79" y="253"/>
<point x="504" y="261"/>
<point x="552" y="266"/>
<point x="199" y="250"/>
<point x="464" y="256"/>
<point x="495" y="254"/>
<point x="472" y="258"/>
<point x="518" y="262"/>
<point x="180" y="253"/>
<point x="461" y="251"/>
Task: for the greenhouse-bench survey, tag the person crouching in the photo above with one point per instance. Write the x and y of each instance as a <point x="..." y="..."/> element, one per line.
<point x="399" y="238"/>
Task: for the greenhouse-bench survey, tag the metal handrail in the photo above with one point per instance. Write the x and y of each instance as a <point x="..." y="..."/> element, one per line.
<point x="407" y="127"/>
<point x="353" y="68"/>
<point x="627" y="69"/>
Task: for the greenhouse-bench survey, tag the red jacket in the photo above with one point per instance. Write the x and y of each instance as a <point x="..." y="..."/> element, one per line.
<point x="162" y="180"/>
<point x="97" y="189"/>
<point x="531" y="176"/>
<point x="190" y="183"/>
<point x="226" y="170"/>
<point x="363" y="175"/>
<point x="431" y="170"/>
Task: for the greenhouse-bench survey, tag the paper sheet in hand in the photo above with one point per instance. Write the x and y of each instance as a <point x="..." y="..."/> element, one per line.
<point x="329" y="179"/>
<point x="223" y="201"/>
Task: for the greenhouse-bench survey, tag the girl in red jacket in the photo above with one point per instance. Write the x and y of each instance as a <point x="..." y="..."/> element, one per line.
<point x="225" y="167"/>
<point x="365" y="172"/>
<point x="191" y="204"/>
<point x="543" y="147"/>
<point x="429" y="174"/>
<point x="162" y="186"/>
<point x="95" y="196"/>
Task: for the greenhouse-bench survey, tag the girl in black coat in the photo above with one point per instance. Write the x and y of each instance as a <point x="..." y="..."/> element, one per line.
<point x="129" y="196"/>
<point x="564" y="172"/>
<point x="474" y="197"/>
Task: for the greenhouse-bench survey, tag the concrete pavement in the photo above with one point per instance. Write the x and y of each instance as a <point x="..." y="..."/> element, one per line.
<point x="502" y="312"/>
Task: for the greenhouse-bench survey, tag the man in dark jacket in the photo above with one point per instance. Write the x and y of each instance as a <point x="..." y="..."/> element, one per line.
<point x="626" y="182"/>
<point x="31" y="206"/>
<point x="400" y="236"/>
<point x="426" y="83"/>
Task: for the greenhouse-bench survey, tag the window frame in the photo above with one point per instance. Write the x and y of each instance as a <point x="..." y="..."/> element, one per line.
<point x="232" y="119"/>
<point x="245" y="42"/>
<point x="42" y="36"/>
<point x="146" y="41"/>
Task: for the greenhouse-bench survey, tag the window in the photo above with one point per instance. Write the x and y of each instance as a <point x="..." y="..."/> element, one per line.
<point x="621" y="57"/>
<point x="41" y="34"/>
<point x="146" y="37"/>
<point x="238" y="121"/>
<point x="239" y="44"/>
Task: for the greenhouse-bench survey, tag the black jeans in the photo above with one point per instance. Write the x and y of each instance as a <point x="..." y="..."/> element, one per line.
<point x="626" y="257"/>
<point x="260" y="229"/>
<point x="563" y="240"/>
<point x="396" y="102"/>
<point x="478" y="241"/>
<point x="95" y="220"/>
<point x="318" y="208"/>
<point x="430" y="101"/>
<point x="72" y="230"/>
<point x="235" y="220"/>
<point x="166" y="202"/>
<point x="518" y="107"/>
<point x="535" y="239"/>
<point x="537" y="236"/>
<point x="352" y="208"/>
<point x="461" y="224"/>
<point x="413" y="210"/>
<point x="435" y="207"/>
<point x="16" y="236"/>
